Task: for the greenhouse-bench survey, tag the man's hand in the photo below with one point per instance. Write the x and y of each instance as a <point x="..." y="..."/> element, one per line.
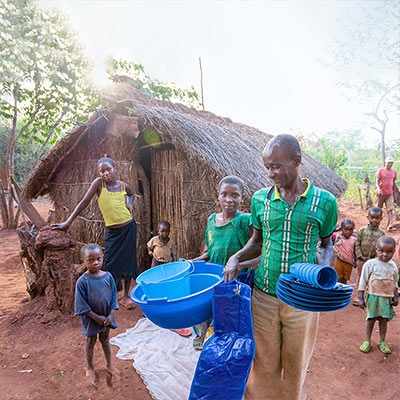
<point x="231" y="269"/>
<point x="108" y="320"/>
<point x="361" y="303"/>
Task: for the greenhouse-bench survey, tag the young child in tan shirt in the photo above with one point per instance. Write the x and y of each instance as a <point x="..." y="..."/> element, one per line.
<point x="160" y="246"/>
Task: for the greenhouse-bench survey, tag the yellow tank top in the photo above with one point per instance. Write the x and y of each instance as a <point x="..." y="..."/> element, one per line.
<point x="113" y="205"/>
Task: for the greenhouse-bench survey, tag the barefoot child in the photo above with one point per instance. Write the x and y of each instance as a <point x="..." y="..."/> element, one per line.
<point x="380" y="276"/>
<point x="160" y="246"/>
<point x="95" y="302"/>
<point x="115" y="199"/>
<point x="344" y="249"/>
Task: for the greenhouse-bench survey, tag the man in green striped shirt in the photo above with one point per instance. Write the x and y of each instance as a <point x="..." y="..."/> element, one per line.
<point x="289" y="220"/>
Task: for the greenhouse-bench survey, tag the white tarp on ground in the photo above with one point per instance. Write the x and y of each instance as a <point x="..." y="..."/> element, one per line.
<point x="165" y="361"/>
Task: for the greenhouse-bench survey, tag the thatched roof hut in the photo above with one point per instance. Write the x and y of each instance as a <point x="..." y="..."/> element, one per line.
<point x="171" y="155"/>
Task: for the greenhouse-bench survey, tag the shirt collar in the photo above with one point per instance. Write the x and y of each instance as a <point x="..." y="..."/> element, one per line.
<point x="277" y="195"/>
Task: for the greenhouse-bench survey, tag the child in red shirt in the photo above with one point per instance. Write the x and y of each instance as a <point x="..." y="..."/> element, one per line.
<point x="344" y="249"/>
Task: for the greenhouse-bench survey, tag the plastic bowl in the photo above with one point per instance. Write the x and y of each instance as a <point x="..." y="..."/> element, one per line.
<point x="183" y="302"/>
<point x="165" y="272"/>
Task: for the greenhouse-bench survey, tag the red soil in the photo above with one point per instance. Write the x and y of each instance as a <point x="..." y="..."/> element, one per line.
<point x="55" y="346"/>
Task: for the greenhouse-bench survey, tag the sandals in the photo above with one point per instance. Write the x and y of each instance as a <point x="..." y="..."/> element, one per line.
<point x="384" y="348"/>
<point x="198" y="344"/>
<point x="365" y="347"/>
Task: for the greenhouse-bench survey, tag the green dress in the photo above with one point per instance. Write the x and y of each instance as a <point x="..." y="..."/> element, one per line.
<point x="225" y="240"/>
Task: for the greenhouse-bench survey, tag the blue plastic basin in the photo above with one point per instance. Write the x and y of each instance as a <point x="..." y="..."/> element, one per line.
<point x="183" y="302"/>
<point x="163" y="273"/>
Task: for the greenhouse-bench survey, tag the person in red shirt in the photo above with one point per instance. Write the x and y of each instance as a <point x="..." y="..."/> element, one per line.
<point x="385" y="180"/>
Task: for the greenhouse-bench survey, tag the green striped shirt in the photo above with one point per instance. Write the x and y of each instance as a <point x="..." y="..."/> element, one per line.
<point x="290" y="234"/>
<point x="225" y="240"/>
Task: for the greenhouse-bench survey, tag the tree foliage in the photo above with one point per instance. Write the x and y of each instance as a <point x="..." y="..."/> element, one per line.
<point x="42" y="71"/>
<point x="43" y="89"/>
<point x="134" y="74"/>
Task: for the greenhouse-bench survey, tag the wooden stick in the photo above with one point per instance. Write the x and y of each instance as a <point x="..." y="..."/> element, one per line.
<point x="359" y="192"/>
<point x="201" y="84"/>
<point x="16" y="198"/>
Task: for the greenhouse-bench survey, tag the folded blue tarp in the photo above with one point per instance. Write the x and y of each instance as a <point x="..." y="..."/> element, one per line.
<point x="224" y="363"/>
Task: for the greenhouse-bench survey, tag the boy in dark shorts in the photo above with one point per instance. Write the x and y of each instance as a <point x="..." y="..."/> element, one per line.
<point x="95" y="302"/>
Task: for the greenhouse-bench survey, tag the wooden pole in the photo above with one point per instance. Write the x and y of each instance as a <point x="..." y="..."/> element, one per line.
<point x="359" y="192"/>
<point x="201" y="84"/>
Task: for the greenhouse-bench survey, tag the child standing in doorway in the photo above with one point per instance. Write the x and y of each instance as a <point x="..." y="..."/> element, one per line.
<point x="160" y="246"/>
<point x="115" y="199"/>
<point x="344" y="249"/>
<point x="379" y="276"/>
<point x="95" y="302"/>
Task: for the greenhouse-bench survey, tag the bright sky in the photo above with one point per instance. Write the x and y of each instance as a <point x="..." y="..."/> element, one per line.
<point x="261" y="59"/>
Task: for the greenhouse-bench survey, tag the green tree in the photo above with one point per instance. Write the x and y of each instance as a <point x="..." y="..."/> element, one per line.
<point x="134" y="74"/>
<point x="328" y="153"/>
<point x="43" y="89"/>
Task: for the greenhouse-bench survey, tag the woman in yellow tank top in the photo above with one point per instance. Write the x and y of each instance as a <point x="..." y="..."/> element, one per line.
<point x="115" y="199"/>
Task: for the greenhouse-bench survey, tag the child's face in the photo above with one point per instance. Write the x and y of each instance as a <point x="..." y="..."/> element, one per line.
<point x="163" y="231"/>
<point x="93" y="260"/>
<point x="374" y="219"/>
<point x="230" y="196"/>
<point x="347" y="230"/>
<point x="385" y="251"/>
<point x="107" y="172"/>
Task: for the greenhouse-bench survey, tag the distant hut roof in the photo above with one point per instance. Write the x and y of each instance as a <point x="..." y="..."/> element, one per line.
<point x="229" y="148"/>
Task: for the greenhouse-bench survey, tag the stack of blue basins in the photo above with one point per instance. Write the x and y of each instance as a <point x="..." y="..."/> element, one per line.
<point x="313" y="287"/>
<point x="179" y="294"/>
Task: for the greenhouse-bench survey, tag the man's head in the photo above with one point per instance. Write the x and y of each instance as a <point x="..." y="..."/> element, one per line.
<point x="281" y="158"/>
<point x="389" y="162"/>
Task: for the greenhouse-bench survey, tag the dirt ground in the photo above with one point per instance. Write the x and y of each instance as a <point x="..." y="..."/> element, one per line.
<point x="51" y="347"/>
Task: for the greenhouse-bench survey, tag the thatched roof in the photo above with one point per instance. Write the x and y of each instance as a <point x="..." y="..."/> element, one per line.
<point x="229" y="148"/>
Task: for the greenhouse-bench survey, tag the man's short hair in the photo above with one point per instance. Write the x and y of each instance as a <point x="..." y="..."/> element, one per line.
<point x="90" y="246"/>
<point x="289" y="143"/>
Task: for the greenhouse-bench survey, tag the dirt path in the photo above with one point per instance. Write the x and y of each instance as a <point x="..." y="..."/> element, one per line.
<point x="56" y="348"/>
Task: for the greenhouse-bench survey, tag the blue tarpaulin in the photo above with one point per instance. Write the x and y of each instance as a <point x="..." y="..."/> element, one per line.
<point x="224" y="363"/>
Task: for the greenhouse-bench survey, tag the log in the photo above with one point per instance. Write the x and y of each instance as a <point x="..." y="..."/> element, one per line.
<point x="28" y="208"/>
